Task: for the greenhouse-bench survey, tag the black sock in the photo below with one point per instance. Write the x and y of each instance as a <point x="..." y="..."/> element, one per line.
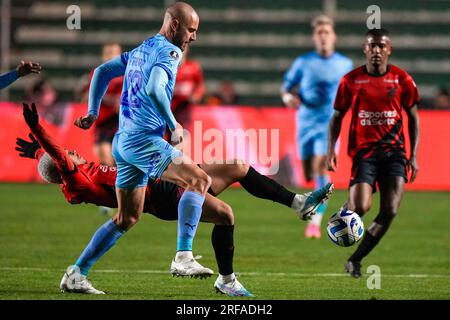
<point x="263" y="187"/>
<point x="380" y="226"/>
<point x="366" y="245"/>
<point x="222" y="239"/>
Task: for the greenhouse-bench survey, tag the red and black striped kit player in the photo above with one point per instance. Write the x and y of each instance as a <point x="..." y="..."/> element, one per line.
<point x="376" y="94"/>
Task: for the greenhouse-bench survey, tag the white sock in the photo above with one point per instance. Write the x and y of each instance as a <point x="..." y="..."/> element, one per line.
<point x="183" y="255"/>
<point x="228" y="278"/>
<point x="298" y="202"/>
<point x="316" y="219"/>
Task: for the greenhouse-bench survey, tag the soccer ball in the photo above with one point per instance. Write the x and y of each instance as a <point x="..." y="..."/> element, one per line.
<point x="345" y="228"/>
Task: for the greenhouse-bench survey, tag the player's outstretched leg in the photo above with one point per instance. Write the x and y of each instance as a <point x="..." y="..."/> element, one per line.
<point x="305" y="205"/>
<point x="263" y="187"/>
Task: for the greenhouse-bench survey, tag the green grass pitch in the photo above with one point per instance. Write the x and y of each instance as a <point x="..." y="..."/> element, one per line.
<point x="41" y="235"/>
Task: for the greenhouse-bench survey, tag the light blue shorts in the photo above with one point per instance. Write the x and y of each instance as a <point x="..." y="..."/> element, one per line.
<point x="140" y="156"/>
<point x="312" y="141"/>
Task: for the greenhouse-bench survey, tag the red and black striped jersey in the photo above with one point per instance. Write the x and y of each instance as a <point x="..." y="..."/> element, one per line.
<point x="376" y="103"/>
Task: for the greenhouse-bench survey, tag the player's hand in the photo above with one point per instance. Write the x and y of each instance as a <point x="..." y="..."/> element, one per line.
<point x="290" y="100"/>
<point x="27" y="149"/>
<point x="176" y="135"/>
<point x="413" y="167"/>
<point x="26" y="67"/>
<point x="332" y="162"/>
<point x="31" y="115"/>
<point x="85" y="122"/>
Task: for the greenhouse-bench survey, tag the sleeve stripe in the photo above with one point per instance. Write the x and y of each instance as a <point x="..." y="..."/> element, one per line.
<point x="124" y="59"/>
<point x="169" y="72"/>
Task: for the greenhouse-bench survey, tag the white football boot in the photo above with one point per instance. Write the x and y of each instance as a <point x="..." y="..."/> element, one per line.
<point x="74" y="281"/>
<point x="232" y="288"/>
<point x="305" y="205"/>
<point x="185" y="265"/>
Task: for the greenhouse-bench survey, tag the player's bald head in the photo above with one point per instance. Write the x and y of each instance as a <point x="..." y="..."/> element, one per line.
<point x="180" y="24"/>
<point x="181" y="11"/>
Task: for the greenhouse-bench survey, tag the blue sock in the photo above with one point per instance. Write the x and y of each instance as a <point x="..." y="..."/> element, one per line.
<point x="189" y="213"/>
<point x="102" y="240"/>
<point x="320" y="182"/>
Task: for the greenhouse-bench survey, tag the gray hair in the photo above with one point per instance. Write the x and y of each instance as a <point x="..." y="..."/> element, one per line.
<point x="48" y="170"/>
<point x="322" y="19"/>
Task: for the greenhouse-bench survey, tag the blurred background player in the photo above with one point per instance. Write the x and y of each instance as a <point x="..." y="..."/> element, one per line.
<point x="23" y="69"/>
<point x="189" y="90"/>
<point x="108" y="120"/>
<point x="376" y="93"/>
<point x="310" y="85"/>
<point x="44" y="93"/>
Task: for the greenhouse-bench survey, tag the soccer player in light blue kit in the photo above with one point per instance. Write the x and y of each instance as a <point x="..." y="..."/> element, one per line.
<point x="23" y="69"/>
<point x="139" y="149"/>
<point x="311" y="85"/>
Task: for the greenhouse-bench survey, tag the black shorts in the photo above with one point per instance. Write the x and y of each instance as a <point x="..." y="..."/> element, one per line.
<point x="163" y="200"/>
<point x="105" y="131"/>
<point x="377" y="167"/>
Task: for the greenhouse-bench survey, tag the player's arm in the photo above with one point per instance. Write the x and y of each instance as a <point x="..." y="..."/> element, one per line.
<point x="342" y="103"/>
<point x="24" y="68"/>
<point x="199" y="90"/>
<point x="156" y="90"/>
<point x="413" y="128"/>
<point x="290" y="82"/>
<point x="103" y="74"/>
<point x="334" y="132"/>
<point x="55" y="151"/>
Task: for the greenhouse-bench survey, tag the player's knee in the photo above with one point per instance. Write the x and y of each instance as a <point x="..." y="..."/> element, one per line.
<point x="200" y="183"/>
<point x="361" y="208"/>
<point x="240" y="169"/>
<point x="225" y="215"/>
<point x="125" y="221"/>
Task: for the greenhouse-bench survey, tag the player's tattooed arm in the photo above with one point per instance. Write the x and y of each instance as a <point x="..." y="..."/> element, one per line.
<point x="335" y="130"/>
<point x="413" y="129"/>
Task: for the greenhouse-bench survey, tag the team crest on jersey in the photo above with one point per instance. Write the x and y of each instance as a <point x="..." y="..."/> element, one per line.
<point x="174" y="54"/>
<point x="391" y="92"/>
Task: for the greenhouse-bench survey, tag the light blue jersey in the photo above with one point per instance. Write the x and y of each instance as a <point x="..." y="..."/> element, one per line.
<point x="137" y="113"/>
<point x="318" y="79"/>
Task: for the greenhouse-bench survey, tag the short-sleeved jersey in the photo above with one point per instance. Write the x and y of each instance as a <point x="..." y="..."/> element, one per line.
<point x="376" y="103"/>
<point x="95" y="183"/>
<point x="90" y="183"/>
<point x="137" y="112"/>
<point x="318" y="79"/>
